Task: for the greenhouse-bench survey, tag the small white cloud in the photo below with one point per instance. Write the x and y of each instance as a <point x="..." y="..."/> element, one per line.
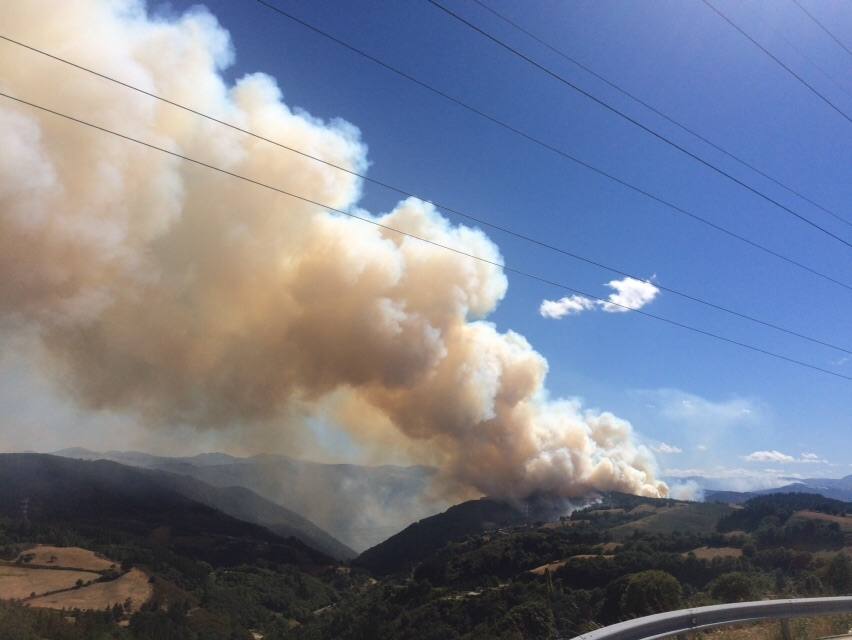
<point x="667" y="448"/>
<point x="702" y="447"/>
<point x="769" y="456"/>
<point x="777" y="456"/>
<point x="630" y="294"/>
<point x="570" y="305"/>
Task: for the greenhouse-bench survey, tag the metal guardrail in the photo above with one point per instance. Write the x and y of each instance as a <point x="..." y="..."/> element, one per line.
<point x="671" y="623"/>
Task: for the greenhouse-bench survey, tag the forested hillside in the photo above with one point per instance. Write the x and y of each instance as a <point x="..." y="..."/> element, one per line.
<point x="483" y="569"/>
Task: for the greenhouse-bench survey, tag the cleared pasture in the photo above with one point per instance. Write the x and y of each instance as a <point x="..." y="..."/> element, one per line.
<point x="20" y="582"/>
<point x="69" y="557"/>
<point x="133" y="584"/>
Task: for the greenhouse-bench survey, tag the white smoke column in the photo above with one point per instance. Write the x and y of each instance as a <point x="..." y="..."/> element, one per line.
<point x="177" y="294"/>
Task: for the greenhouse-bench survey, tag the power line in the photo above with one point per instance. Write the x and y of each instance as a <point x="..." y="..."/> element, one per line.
<point x="476" y="219"/>
<point x="823" y="27"/>
<point x="777" y="60"/>
<point x="634" y="121"/>
<point x="653" y="109"/>
<point x="550" y="147"/>
<point x="813" y="63"/>
<point x="434" y="243"/>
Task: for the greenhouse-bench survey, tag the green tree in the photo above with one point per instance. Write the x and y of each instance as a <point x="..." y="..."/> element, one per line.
<point x="809" y="584"/>
<point x="532" y="619"/>
<point x="839" y="574"/>
<point x="651" y="592"/>
<point x="733" y="587"/>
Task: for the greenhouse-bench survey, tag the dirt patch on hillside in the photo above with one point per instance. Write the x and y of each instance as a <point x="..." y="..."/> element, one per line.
<point x="133" y="585"/>
<point x="68" y="557"/>
<point x="708" y="553"/>
<point x="845" y="522"/>
<point x="21" y="582"/>
<point x="551" y="567"/>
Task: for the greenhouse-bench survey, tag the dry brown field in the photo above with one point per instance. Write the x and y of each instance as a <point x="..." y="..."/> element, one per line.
<point x="69" y="557"/>
<point x="551" y="566"/>
<point x="708" y="553"/>
<point x="845" y="522"/>
<point x="18" y="582"/>
<point x="134" y="585"/>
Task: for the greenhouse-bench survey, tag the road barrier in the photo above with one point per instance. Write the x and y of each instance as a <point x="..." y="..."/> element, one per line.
<point x="672" y="623"/>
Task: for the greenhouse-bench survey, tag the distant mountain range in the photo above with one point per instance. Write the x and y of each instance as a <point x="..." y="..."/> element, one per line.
<point x="358" y="505"/>
<point x="836" y="488"/>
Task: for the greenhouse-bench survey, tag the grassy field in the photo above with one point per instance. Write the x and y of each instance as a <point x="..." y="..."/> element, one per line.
<point x="20" y="582"/>
<point x="68" y="557"/>
<point x="694" y="517"/>
<point x="133" y="585"/>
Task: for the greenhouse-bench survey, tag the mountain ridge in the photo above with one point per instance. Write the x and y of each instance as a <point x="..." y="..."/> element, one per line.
<point x="358" y="505"/>
<point x="835" y="488"/>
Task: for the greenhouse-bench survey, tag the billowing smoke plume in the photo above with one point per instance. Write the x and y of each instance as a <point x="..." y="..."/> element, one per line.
<point x="180" y="295"/>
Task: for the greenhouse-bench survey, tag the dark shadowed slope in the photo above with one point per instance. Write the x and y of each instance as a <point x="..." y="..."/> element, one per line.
<point x="419" y="540"/>
<point x="99" y="496"/>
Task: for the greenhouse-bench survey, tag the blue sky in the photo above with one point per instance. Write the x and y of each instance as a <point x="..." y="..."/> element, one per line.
<point x="714" y="402"/>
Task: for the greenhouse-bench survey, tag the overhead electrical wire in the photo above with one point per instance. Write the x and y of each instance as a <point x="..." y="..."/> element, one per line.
<point x="560" y="152"/>
<point x="514" y="233"/>
<point x="837" y="40"/>
<point x="658" y="112"/>
<point x="419" y="238"/>
<point x="831" y="78"/>
<point x="565" y="81"/>
<point x="777" y="60"/>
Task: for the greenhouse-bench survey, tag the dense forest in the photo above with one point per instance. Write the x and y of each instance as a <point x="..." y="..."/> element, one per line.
<point x="620" y="558"/>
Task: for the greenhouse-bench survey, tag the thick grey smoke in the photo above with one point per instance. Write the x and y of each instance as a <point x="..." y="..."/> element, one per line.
<point x="179" y="295"/>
